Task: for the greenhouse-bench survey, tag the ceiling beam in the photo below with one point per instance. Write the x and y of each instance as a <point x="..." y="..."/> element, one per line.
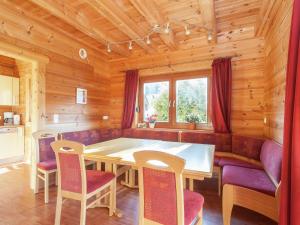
<point x="81" y="22"/>
<point x="153" y="16"/>
<point x="113" y="13"/>
<point x="207" y="10"/>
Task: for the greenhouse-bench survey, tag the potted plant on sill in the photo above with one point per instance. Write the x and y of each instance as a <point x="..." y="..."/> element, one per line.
<point x="192" y="120"/>
<point x="152" y="120"/>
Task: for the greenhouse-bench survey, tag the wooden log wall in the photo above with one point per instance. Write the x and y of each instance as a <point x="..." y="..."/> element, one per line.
<point x="277" y="42"/>
<point x="248" y="78"/>
<point x="64" y="73"/>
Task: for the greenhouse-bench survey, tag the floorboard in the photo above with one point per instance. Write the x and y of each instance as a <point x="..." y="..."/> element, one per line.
<point x="19" y="206"/>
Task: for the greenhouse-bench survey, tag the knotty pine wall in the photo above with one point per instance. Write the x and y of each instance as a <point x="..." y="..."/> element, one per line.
<point x="277" y="41"/>
<point x="248" y="78"/>
<point x="64" y="72"/>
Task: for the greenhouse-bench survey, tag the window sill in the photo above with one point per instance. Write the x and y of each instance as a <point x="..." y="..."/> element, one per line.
<point x="177" y="130"/>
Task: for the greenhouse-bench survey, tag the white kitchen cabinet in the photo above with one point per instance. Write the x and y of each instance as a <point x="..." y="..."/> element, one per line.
<point x="9" y="90"/>
<point x="11" y="144"/>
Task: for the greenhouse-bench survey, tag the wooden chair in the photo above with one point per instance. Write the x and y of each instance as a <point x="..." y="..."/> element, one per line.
<point x="162" y="198"/>
<point x="45" y="163"/>
<point x="75" y="182"/>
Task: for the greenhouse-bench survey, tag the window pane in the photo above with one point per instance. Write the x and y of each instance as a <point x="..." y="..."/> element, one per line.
<point x="191" y="100"/>
<point x="156" y="100"/>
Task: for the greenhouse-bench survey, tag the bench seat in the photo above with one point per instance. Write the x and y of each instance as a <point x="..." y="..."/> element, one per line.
<point x="250" y="178"/>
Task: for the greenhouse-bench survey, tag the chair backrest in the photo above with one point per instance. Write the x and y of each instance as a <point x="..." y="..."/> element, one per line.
<point x="70" y="165"/>
<point x="160" y="187"/>
<point x="43" y="139"/>
<point x="271" y="158"/>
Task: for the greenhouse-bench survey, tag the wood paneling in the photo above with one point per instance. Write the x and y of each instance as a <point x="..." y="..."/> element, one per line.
<point x="65" y="71"/>
<point x="248" y="78"/>
<point x="277" y="40"/>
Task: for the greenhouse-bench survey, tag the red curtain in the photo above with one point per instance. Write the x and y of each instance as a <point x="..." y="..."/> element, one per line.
<point x="131" y="83"/>
<point x="290" y="178"/>
<point x="221" y="95"/>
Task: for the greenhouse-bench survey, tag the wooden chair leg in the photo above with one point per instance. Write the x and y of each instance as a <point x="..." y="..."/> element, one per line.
<point x="227" y="203"/>
<point x="56" y="178"/>
<point x="58" y="209"/>
<point x="111" y="200"/>
<point x="83" y="212"/>
<point x="37" y="183"/>
<point x="200" y="220"/>
<point x="46" y="187"/>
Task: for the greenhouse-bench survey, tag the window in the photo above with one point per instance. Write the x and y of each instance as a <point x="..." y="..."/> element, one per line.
<point x="174" y="98"/>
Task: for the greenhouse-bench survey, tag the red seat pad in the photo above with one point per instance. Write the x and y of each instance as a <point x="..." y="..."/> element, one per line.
<point x="193" y="203"/>
<point x="253" y="179"/>
<point x="47" y="165"/>
<point x="228" y="161"/>
<point x="96" y="179"/>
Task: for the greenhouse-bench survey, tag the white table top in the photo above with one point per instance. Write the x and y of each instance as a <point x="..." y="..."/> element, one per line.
<point x="199" y="157"/>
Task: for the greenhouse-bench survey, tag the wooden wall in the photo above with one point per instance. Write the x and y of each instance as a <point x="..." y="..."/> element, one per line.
<point x="64" y="73"/>
<point x="277" y="40"/>
<point x="248" y="78"/>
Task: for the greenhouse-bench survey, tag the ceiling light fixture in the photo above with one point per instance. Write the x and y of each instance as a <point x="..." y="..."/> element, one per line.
<point x="148" y="40"/>
<point x="209" y="36"/>
<point x="167" y="28"/>
<point x="108" y="48"/>
<point x="130" y="45"/>
<point x="187" y="30"/>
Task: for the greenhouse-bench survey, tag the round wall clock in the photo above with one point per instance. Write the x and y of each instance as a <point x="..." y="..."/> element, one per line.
<point x="82" y="53"/>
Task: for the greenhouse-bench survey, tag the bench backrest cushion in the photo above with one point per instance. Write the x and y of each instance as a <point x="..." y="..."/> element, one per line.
<point x="88" y="137"/>
<point x="247" y="146"/>
<point x="271" y="158"/>
<point x="221" y="141"/>
<point x="163" y="135"/>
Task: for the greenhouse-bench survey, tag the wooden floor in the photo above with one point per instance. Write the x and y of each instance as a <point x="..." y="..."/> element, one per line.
<point x="19" y="206"/>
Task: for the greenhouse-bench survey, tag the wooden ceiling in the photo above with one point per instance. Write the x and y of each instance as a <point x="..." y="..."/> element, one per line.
<point x="98" y="22"/>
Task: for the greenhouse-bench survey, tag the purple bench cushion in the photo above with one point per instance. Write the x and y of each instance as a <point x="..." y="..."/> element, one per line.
<point x="247" y="146"/>
<point x="47" y="165"/>
<point x="271" y="157"/>
<point x="221" y="141"/>
<point x="227" y="161"/>
<point x="156" y="134"/>
<point x="249" y="178"/>
<point x="45" y="150"/>
<point x="88" y="137"/>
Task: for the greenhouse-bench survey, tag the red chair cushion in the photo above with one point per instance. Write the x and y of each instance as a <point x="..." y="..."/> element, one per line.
<point x="228" y="161"/>
<point x="96" y="179"/>
<point x="253" y="179"/>
<point x="47" y="165"/>
<point x="193" y="203"/>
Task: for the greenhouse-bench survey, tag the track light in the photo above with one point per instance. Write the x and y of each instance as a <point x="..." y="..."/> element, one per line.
<point x="209" y="36"/>
<point x="108" y="48"/>
<point x="148" y="41"/>
<point x="187" y="30"/>
<point x="130" y="45"/>
<point x="167" y="28"/>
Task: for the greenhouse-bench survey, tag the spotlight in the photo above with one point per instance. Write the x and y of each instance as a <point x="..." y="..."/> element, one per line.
<point x="209" y="36"/>
<point x="108" y="48"/>
<point x="148" y="41"/>
<point x="187" y="30"/>
<point x="130" y="45"/>
<point x="167" y="28"/>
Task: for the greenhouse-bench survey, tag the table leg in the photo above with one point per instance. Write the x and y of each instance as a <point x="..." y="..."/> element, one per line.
<point x="191" y="184"/>
<point x="130" y="179"/>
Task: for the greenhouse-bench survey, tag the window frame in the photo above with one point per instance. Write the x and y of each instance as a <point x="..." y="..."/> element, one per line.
<point x="172" y="78"/>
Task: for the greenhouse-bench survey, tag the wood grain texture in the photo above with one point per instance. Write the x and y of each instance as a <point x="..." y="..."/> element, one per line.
<point x="277" y="42"/>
